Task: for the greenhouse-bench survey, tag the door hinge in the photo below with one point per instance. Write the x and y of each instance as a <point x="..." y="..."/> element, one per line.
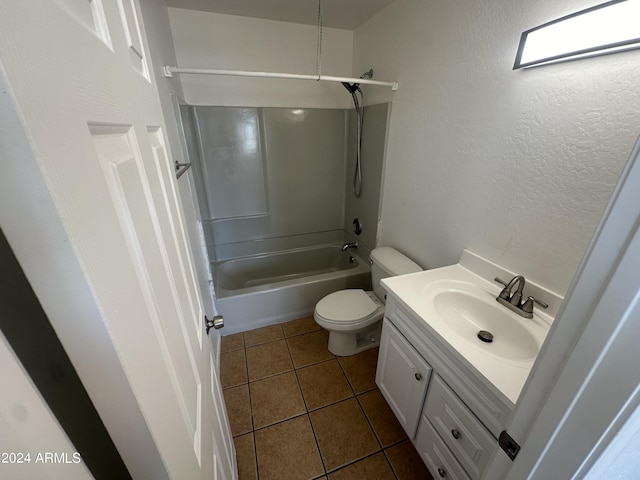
<point x="508" y="444"/>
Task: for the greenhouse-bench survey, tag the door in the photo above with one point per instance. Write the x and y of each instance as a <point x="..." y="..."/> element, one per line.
<point x="79" y="74"/>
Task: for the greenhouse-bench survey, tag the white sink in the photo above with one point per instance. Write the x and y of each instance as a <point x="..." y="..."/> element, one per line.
<point x="453" y="304"/>
<point x="468" y="315"/>
<point x="458" y="305"/>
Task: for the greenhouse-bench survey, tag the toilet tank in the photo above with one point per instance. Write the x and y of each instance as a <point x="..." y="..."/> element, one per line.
<point x="388" y="262"/>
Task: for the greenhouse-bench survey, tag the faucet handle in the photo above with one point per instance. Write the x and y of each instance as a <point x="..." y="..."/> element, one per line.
<point x="527" y="306"/>
<point x="505" y="294"/>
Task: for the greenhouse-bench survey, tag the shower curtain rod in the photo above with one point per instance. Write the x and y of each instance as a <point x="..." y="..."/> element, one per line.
<point x="169" y="71"/>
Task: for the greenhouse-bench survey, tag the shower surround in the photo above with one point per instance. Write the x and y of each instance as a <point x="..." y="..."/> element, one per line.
<point x="274" y="187"/>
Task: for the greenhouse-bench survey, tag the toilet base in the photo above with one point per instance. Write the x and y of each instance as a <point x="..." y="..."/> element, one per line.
<point x="344" y="344"/>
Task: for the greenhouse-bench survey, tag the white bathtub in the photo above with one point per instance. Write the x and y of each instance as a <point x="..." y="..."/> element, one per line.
<point x="271" y="288"/>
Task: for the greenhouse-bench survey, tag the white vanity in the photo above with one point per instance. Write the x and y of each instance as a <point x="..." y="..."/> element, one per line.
<point x="452" y="391"/>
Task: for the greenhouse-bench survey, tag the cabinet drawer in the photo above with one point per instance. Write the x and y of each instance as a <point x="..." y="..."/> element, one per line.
<point x="463" y="433"/>
<point x="436" y="455"/>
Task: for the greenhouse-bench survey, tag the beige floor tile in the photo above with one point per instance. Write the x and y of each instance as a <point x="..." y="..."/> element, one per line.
<point x="361" y="370"/>
<point x="238" y="406"/>
<point x="375" y="467"/>
<point x="384" y="422"/>
<point x="275" y="399"/>
<point x="246" y="457"/>
<point x="323" y="384"/>
<point x="308" y="349"/>
<point x="300" y="326"/>
<point x="233" y="368"/>
<point x="263" y="335"/>
<point x="268" y="359"/>
<point x="343" y="434"/>
<point x="231" y="342"/>
<point x="288" y="451"/>
<point x="406" y="462"/>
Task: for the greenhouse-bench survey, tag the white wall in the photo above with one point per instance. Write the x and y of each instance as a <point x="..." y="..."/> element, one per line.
<point x="516" y="166"/>
<point x="209" y="40"/>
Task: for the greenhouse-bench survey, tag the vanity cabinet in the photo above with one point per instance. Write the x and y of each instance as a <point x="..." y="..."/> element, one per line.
<point x="452" y="417"/>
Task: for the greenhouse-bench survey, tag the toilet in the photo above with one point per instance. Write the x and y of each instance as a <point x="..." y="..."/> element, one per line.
<point x="353" y="317"/>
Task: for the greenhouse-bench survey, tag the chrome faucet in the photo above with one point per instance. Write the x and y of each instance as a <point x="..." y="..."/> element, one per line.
<point x="513" y="301"/>
<point x="347" y="246"/>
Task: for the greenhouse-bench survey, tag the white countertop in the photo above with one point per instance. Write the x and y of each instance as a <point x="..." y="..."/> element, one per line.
<point x="415" y="292"/>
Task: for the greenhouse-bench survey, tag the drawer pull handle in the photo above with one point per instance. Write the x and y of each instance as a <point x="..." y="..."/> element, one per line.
<point x="442" y="472"/>
<point x="418" y="376"/>
<point x="455" y="433"/>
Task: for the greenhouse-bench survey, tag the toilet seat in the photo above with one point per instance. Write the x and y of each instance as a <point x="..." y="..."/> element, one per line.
<point x="346" y="309"/>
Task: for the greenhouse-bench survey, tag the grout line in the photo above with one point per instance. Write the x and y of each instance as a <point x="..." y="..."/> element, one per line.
<point x="375" y="434"/>
<point x="393" y="470"/>
<point x="313" y="430"/>
<point x="290" y="356"/>
<point x="365" y="458"/>
<point x="279" y="422"/>
<point x="344" y="372"/>
<point x="315" y="437"/>
<point x="253" y="430"/>
<point x="304" y="399"/>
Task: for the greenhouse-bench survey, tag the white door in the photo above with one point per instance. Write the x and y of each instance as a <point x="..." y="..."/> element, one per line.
<point x="80" y="76"/>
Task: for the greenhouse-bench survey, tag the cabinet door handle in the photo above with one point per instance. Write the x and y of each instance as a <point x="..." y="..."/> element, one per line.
<point x="418" y="376"/>
<point x="455" y="433"/>
<point x="442" y="472"/>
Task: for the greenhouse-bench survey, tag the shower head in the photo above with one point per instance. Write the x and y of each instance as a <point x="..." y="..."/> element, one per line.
<point x="368" y="74"/>
<point x="355" y="87"/>
<point x="351" y="87"/>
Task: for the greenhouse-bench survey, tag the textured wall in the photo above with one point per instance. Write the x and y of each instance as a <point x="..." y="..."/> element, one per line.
<point x="209" y="40"/>
<point x="515" y="166"/>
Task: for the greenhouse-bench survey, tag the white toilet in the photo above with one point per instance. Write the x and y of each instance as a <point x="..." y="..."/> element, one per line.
<point x="353" y="316"/>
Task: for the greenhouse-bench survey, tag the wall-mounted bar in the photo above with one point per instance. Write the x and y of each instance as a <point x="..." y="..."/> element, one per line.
<point x="181" y="168"/>
<point x="169" y="71"/>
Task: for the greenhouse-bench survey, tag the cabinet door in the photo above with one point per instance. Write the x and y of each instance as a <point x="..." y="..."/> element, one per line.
<point x="403" y="377"/>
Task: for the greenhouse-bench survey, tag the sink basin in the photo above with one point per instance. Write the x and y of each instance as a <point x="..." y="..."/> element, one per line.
<point x="449" y="306"/>
<point x="467" y="314"/>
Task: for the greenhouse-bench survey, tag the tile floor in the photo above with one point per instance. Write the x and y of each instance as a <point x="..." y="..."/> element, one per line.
<point x="299" y="412"/>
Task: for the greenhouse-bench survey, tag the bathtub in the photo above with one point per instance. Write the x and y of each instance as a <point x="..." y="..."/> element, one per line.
<point x="266" y="289"/>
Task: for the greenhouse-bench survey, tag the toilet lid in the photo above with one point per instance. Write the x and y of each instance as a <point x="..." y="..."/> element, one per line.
<point x="346" y="306"/>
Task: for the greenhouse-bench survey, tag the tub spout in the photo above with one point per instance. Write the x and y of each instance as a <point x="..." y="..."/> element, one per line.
<point x="347" y="246"/>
